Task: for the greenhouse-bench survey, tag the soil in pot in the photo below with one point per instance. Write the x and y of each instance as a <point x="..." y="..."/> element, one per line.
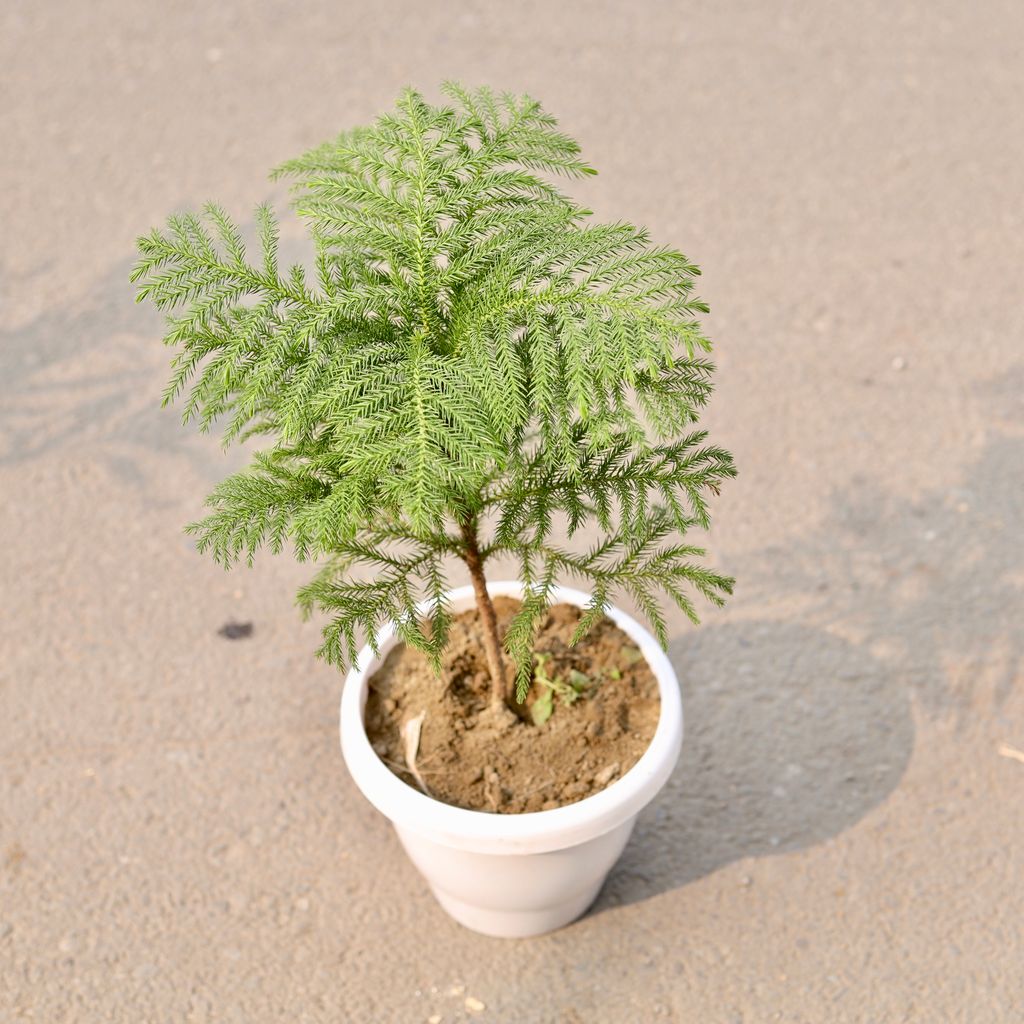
<point x="589" y="716"/>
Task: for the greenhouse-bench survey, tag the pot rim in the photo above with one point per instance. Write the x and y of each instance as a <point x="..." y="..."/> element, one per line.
<point x="531" y="831"/>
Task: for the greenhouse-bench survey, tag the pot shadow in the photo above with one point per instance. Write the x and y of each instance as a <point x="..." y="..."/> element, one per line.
<point x="792" y="735"/>
<point x="798" y="725"/>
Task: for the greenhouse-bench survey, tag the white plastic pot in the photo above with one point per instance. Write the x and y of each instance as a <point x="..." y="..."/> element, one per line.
<point x="513" y="875"/>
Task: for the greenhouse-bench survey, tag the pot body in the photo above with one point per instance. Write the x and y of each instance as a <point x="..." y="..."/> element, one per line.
<point x="514" y="875"/>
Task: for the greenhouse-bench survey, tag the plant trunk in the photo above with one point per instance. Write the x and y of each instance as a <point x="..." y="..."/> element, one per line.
<point x="492" y="642"/>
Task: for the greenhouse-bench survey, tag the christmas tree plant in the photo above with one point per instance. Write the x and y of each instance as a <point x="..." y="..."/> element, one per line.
<point x="472" y="369"/>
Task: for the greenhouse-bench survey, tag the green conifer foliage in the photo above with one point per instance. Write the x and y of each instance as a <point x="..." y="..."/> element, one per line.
<point x="473" y="369"/>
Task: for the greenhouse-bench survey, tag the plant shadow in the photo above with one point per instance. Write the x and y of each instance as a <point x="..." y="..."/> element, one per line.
<point x="800" y="722"/>
<point x="84" y="378"/>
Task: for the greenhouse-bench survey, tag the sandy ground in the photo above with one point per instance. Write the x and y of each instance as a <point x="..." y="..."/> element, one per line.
<point x="844" y="837"/>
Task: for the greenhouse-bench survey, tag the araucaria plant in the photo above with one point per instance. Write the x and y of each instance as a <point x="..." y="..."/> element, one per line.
<point x="472" y="369"/>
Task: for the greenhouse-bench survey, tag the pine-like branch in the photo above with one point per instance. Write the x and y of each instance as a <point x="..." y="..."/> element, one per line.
<point x="470" y="348"/>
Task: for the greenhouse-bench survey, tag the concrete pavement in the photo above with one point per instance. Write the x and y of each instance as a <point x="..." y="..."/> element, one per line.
<point x="843" y="840"/>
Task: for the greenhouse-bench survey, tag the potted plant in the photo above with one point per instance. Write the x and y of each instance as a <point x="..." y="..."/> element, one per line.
<point x="473" y="371"/>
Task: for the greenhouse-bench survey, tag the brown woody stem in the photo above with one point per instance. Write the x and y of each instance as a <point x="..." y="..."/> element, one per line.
<point x="492" y="642"/>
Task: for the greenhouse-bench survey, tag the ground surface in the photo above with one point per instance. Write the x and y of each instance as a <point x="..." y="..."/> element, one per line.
<point x="844" y="837"/>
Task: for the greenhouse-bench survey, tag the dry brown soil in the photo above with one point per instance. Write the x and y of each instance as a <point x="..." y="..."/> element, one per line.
<point x="474" y="755"/>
